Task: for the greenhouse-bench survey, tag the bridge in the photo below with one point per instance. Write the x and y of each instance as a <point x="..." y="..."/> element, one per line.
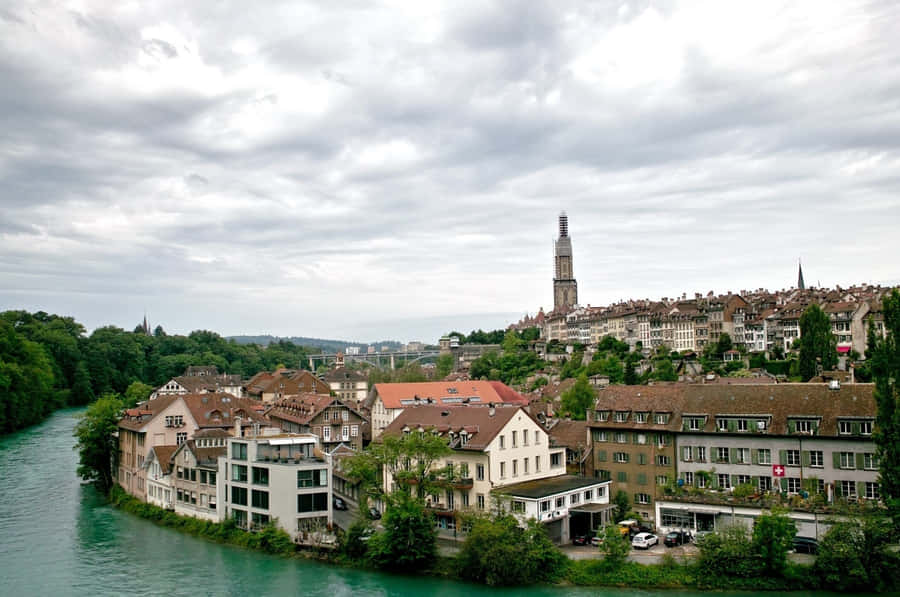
<point x="374" y="358"/>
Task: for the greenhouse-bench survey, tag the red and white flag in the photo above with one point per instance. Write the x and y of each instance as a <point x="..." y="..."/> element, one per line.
<point x="777" y="470"/>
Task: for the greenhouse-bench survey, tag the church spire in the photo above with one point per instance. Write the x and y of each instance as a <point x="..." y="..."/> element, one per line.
<point x="565" y="288"/>
<point x="800" y="284"/>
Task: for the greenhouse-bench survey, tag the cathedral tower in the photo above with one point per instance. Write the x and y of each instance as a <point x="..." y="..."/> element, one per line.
<point x="565" y="288"/>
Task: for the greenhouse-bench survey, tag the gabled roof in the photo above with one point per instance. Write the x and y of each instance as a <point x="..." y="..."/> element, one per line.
<point x="344" y="374"/>
<point x="163" y="455"/>
<point x="203" y="456"/>
<point x="481" y="425"/>
<point x="135" y="419"/>
<point x="571" y="434"/>
<point x="218" y="409"/>
<point x="301" y="408"/>
<point x="447" y="393"/>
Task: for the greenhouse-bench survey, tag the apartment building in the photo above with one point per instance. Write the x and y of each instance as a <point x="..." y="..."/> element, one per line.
<point x="330" y="419"/>
<point x="348" y="385"/>
<point x="269" y="387"/>
<point x="283" y="477"/>
<point x="195" y="468"/>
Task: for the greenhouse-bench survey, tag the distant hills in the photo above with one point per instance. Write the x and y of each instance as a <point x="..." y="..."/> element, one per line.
<point x="325" y="345"/>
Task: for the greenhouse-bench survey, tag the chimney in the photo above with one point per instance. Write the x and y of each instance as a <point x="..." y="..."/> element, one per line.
<point x="491" y="409"/>
<point x="237" y="427"/>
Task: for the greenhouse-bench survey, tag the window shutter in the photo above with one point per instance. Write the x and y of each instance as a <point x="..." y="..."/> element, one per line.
<point x="754" y="455"/>
<point x="860" y="460"/>
<point x="601" y="455"/>
<point x="684" y="425"/>
<point x="782" y="456"/>
<point x="837" y="461"/>
<point x="783" y="484"/>
<point x="732" y="425"/>
<point x="860" y="489"/>
<point x="854" y="427"/>
<point x="642" y="479"/>
<point x="642" y="458"/>
<point x="732" y="455"/>
<point x="837" y="488"/>
<point x="806" y="458"/>
<point x="792" y="427"/>
<point x="815" y="427"/>
<point x="734" y="480"/>
<point x="713" y="481"/>
<point x="627" y="456"/>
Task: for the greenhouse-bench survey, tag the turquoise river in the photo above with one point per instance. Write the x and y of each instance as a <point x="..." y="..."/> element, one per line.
<point x="58" y="537"/>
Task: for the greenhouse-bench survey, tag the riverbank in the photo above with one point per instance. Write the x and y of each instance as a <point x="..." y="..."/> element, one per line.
<point x="670" y="574"/>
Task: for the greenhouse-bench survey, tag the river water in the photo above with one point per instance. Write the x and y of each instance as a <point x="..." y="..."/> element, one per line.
<point x="58" y="537"/>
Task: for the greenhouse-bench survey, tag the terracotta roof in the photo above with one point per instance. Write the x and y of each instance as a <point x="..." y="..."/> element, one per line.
<point x="447" y="393"/>
<point x="481" y="425"/>
<point x="299" y="408"/>
<point x="571" y="434"/>
<point x="205" y="456"/>
<point x="135" y="419"/>
<point x="219" y="409"/>
<point x="779" y="402"/>
<point x="164" y="457"/>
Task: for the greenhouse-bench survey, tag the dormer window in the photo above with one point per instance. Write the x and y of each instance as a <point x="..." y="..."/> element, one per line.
<point x="640" y="417"/>
<point x="621" y="416"/>
<point x="722" y="424"/>
<point x="601" y="416"/>
<point x="662" y="418"/>
<point x="865" y="427"/>
<point x="845" y="428"/>
<point x="742" y="425"/>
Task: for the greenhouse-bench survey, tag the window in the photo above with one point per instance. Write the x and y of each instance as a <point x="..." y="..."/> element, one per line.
<point x="793" y="457"/>
<point x="870" y="461"/>
<point x="515" y="439"/>
<point x="816" y="459"/>
<point x="537" y="438"/>
<point x="240" y="518"/>
<point x="555" y="459"/>
<point x="560" y="502"/>
<point x="537" y="464"/>
<point x="688" y="478"/>
<point x="640" y="417"/>
<point x="742" y="425"/>
<point x="345" y="415"/>
<point x="662" y="460"/>
<point x="574" y="498"/>
<point x="686" y="453"/>
<point x="239" y="496"/>
<point x="701" y="481"/>
<point x="502" y="470"/>
<point x="239" y="473"/>
<point x="865" y="427"/>
<point x="701" y="453"/>
<point x="803" y="426"/>
<point x="845" y="428"/>
<point x="621" y="416"/>
<point x="502" y="442"/>
<point x="724" y="481"/>
<point x="600" y="436"/>
<point x="847" y="460"/>
<point x="180" y="437"/>
<point x="326" y="433"/>
<point x="312" y="478"/>
<point x="793" y="484"/>
<point x="620" y="438"/>
<point x="642" y="498"/>
<point x="259" y="499"/>
<point x="662" y="418"/>
<point x="694" y="424"/>
<point x="622" y="477"/>
<point x="259" y="520"/>
<point x="872" y="491"/>
<point x="479" y="501"/>
<point x="327" y="415"/>
<point x="588" y="495"/>
<point x="620" y="457"/>
<point x="525" y="466"/>
<point x="765" y="456"/>
<point x="545" y="506"/>
<point x="743" y="479"/>
<point x="238" y="451"/>
<point x="479" y="472"/>
<point x="601" y="416"/>
<point x="662" y="480"/>
<point x="518" y="506"/>
<point x="312" y="502"/>
<point x="721" y="454"/>
<point x="354" y="432"/>
<point x="848" y="489"/>
<point x="524" y="437"/>
<point x="722" y="424"/>
<point x="260" y="476"/>
<point x="345" y="432"/>
<point x="765" y="483"/>
<point x="515" y="468"/>
<point x="742" y="455"/>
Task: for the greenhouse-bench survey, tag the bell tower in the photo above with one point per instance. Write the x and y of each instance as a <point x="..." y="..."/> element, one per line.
<point x="565" y="288"/>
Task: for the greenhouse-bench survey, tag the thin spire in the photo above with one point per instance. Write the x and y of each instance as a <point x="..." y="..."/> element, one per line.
<point x="800" y="284"/>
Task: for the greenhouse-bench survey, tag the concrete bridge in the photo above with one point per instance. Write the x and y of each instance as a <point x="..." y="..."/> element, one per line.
<point x="374" y="358"/>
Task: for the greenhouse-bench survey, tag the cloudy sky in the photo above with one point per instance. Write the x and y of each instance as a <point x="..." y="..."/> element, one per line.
<point x="365" y="171"/>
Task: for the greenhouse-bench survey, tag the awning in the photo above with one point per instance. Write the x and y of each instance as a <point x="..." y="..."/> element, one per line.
<point x="288" y="441"/>
<point x="591" y="508"/>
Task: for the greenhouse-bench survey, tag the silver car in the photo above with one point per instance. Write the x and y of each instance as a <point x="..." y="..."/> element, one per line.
<point x="644" y="540"/>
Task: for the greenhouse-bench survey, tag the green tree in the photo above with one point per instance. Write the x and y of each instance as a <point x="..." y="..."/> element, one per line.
<point x="856" y="555"/>
<point x="773" y="536"/>
<point x="724" y="344"/>
<point x="408" y="541"/>
<point x="729" y="552"/>
<point x="885" y="367"/>
<point x="82" y="392"/>
<point x="96" y="443"/>
<point x="578" y="399"/>
<point x="498" y="551"/>
<point x="26" y="381"/>
<point x="443" y="366"/>
<point x="664" y="370"/>
<point x="623" y="504"/>
<point x="511" y="342"/>
<point x="630" y="377"/>
<point x="615" y="546"/>
<point x="137" y="392"/>
<point x="409" y="459"/>
<point x="816" y="342"/>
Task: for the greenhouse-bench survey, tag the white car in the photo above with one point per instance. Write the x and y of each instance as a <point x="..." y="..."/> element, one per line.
<point x="644" y="540"/>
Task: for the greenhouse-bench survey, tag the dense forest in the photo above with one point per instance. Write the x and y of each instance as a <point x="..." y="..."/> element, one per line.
<point x="49" y="362"/>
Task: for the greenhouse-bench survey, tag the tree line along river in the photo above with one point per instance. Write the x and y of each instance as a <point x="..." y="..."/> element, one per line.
<point x="59" y="537"/>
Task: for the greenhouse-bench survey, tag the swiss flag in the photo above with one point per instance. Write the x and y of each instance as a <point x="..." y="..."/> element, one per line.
<point x="777" y="470"/>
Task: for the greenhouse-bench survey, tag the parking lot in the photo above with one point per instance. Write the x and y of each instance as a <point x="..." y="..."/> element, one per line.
<point x="643" y="556"/>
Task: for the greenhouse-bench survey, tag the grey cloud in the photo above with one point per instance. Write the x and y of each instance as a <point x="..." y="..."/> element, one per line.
<point x="159" y="48"/>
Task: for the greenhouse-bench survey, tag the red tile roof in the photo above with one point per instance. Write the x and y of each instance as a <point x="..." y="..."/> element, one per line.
<point x="447" y="393"/>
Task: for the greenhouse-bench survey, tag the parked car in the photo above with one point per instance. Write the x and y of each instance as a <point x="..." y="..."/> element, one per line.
<point x="339" y="504"/>
<point x="366" y="535"/>
<point x="374" y="514"/>
<point x="580" y="540"/>
<point x="644" y="540"/>
<point x="806" y="545"/>
<point x="628" y="527"/>
<point x="676" y="538"/>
